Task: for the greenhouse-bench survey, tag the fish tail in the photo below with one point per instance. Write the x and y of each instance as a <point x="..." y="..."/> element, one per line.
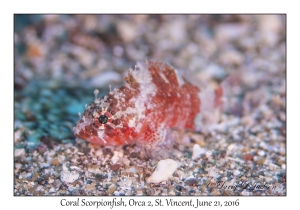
<point x="218" y="100"/>
<point x="211" y="106"/>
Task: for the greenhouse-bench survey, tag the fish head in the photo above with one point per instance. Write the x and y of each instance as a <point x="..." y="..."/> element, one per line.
<point x="109" y="121"/>
<point x="101" y="125"/>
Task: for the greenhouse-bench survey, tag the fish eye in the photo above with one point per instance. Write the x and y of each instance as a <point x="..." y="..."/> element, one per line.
<point x="103" y="119"/>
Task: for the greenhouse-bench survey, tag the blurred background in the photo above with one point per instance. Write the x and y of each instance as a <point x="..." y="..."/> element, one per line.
<point x="61" y="59"/>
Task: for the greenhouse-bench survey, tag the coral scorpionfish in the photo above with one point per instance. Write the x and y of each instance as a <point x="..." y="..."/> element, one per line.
<point x="154" y="99"/>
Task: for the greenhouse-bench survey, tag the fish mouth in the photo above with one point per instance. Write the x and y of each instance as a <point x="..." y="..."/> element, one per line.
<point x="87" y="133"/>
<point x="94" y="136"/>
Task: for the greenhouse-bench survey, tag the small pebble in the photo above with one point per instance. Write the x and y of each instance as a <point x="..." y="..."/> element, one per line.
<point x="19" y="152"/>
<point x="99" y="153"/>
<point x="116" y="157"/>
<point x="248" y="157"/>
<point x="50" y="181"/>
<point x="48" y="141"/>
<point x="115" y="167"/>
<point x="55" y="162"/>
<point x="18" y="165"/>
<point x="236" y="172"/>
<point x="90" y="187"/>
<point x="111" y="189"/>
<point x="94" y="169"/>
<point x="197" y="151"/>
<point x="69" y="177"/>
<point x="52" y="190"/>
<point x="191" y="182"/>
<point x="208" y="154"/>
<point x="86" y="150"/>
<point x="213" y="172"/>
<point x="259" y="159"/>
<point x="262" y="153"/>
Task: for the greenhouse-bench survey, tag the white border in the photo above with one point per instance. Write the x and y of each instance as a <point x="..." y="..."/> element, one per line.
<point x="154" y="6"/>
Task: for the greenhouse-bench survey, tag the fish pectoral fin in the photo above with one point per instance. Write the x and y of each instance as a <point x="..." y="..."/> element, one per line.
<point x="154" y="136"/>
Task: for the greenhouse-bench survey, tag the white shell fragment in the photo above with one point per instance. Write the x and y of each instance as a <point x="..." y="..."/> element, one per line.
<point x="164" y="170"/>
